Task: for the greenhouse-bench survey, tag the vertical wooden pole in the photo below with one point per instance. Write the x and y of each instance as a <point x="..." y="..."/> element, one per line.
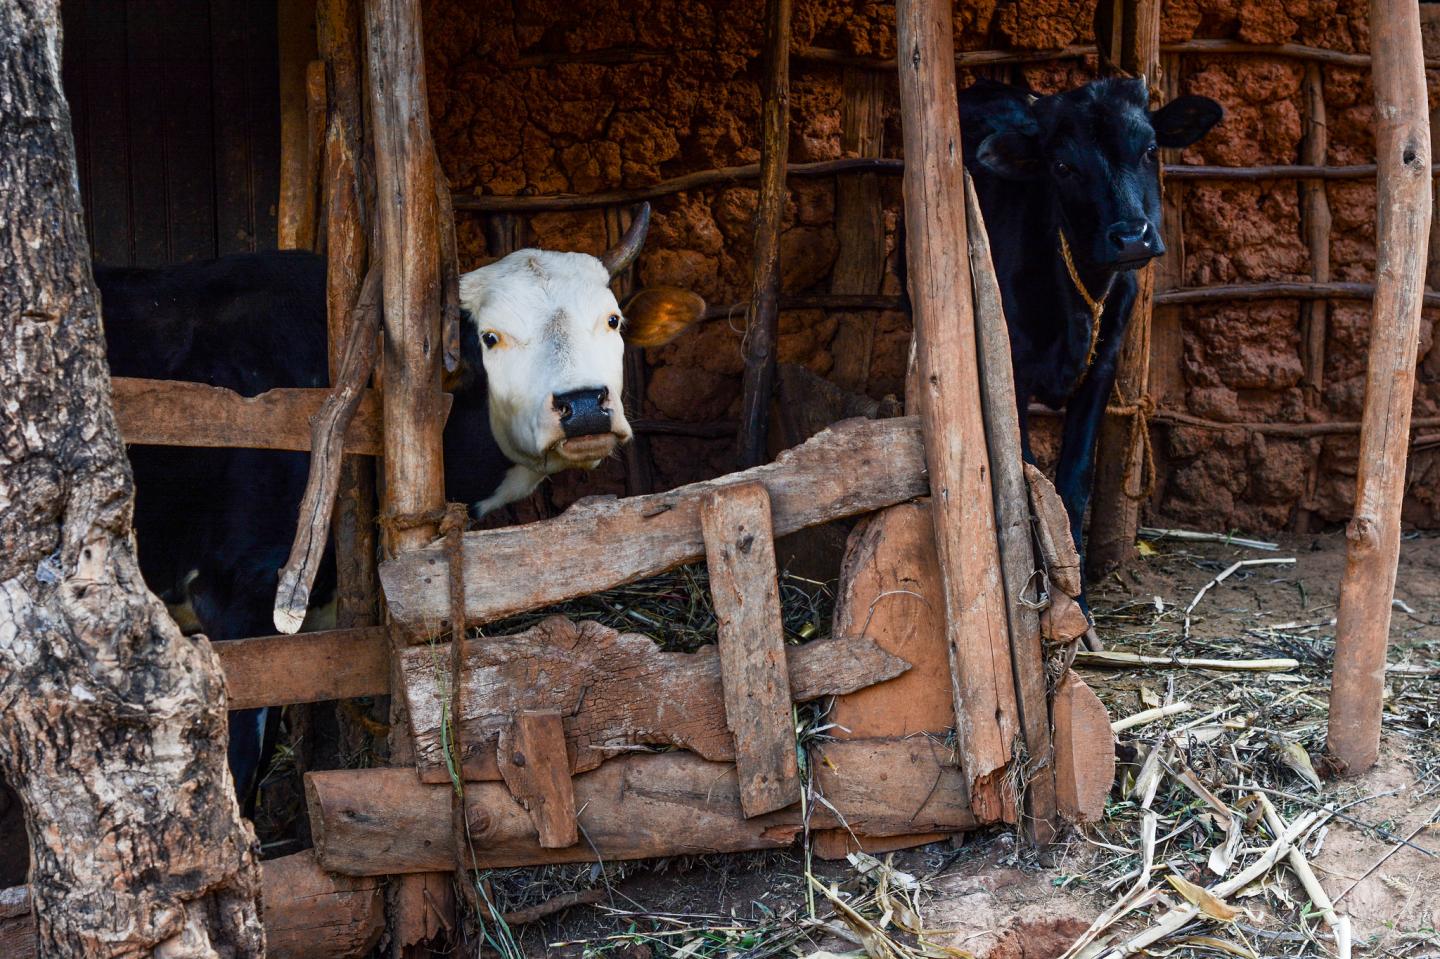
<point x="1402" y="153"/>
<point x="347" y="254"/>
<point x="1315" y="219"/>
<point x="295" y="214"/>
<point x="1119" y="455"/>
<point x="407" y="209"/>
<point x="859" y="226"/>
<point x="986" y="722"/>
<point x="1012" y="517"/>
<point x="1167" y="339"/>
<point x="639" y="464"/>
<point x="763" y="317"/>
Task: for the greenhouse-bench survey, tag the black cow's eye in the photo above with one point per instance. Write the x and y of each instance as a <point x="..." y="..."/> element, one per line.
<point x="1063" y="169"/>
<point x="614" y="321"/>
<point x="1152" y="151"/>
<point x="489" y="339"/>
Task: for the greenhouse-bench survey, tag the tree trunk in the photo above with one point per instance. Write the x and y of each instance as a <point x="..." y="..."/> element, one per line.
<point x="114" y="732"/>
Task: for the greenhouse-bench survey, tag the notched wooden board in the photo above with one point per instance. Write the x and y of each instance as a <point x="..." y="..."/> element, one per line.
<point x="615" y="691"/>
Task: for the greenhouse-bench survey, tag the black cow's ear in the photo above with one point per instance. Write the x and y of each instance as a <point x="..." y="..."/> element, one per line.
<point x="1012" y="155"/>
<point x="1184" y="120"/>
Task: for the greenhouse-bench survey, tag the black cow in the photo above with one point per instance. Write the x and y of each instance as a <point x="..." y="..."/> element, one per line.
<point x="1069" y="187"/>
<point x="214" y="526"/>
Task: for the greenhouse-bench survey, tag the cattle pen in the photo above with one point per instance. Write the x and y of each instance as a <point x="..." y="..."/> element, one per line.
<point x="539" y="746"/>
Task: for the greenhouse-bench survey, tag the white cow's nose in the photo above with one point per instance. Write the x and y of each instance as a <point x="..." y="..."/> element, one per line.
<point x="583" y="412"/>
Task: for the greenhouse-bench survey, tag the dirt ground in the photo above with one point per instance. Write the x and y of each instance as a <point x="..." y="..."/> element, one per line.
<point x="985" y="895"/>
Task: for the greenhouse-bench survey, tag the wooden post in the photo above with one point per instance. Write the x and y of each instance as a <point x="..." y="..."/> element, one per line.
<point x="296" y="207"/>
<point x="639" y="464"/>
<point x="1012" y="517"/>
<point x="347" y="236"/>
<point x="859" y="226"/>
<point x="407" y="208"/>
<point x="1167" y="341"/>
<point x="740" y="552"/>
<point x="1402" y="148"/>
<point x="986" y="723"/>
<point x="763" y="316"/>
<point x="1120" y="452"/>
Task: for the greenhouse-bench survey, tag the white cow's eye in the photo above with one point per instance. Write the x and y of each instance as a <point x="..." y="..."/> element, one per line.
<point x="614" y="321"/>
<point x="489" y="339"/>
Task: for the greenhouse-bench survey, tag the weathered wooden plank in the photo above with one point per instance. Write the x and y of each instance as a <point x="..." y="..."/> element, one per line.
<point x="962" y="508"/>
<point x="1063" y="621"/>
<point x="371" y="822"/>
<point x="178" y="413"/>
<point x="740" y="553"/>
<point x="1052" y="531"/>
<point x="532" y="761"/>
<point x="852" y="468"/>
<point x="308" y="668"/>
<point x="889" y="592"/>
<point x="297" y="48"/>
<point x="616" y="691"/>
<point x="1084" y="750"/>
<point x="309" y="913"/>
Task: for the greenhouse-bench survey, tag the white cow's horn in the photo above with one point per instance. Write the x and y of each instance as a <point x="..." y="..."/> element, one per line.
<point x="622" y="254"/>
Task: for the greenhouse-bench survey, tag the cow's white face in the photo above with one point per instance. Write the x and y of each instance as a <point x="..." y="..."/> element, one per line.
<point x="550" y="332"/>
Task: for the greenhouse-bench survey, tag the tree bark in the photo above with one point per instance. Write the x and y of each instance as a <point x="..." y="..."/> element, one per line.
<point x="114" y="732"/>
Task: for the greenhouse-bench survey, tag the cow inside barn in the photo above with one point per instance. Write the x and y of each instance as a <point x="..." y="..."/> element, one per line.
<point x="1069" y="185"/>
<point x="542" y="354"/>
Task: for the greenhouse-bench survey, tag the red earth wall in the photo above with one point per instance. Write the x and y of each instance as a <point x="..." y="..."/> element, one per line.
<point x="509" y="116"/>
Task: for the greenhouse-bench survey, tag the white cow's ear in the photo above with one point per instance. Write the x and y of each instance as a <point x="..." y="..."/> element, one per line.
<point x="657" y="314"/>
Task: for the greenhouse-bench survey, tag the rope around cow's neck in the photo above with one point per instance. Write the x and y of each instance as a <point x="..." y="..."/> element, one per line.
<point x="1097" y="307"/>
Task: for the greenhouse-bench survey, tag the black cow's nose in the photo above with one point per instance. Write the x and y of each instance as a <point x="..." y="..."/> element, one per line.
<point x="1134" y="240"/>
<point x="583" y="412"/>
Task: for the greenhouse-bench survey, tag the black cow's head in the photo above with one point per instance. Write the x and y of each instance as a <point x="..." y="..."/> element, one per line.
<point x="1096" y="148"/>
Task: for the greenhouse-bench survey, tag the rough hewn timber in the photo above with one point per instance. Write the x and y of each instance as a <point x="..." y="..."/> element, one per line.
<point x="532" y="760"/>
<point x="137" y="846"/>
<point x="1084" y="751"/>
<point x="851" y="468"/>
<point x="307" y="668"/>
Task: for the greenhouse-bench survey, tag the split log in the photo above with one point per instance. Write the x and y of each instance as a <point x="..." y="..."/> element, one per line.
<point x="616" y="691"/>
<point x="309" y="913"/>
<point x="532" y="760"/>
<point x="1084" y="751"/>
<point x="327" y="435"/>
<point x="859" y="226"/>
<point x="385" y="821"/>
<point x="1012" y="526"/>
<point x="1402" y="140"/>
<point x="852" y="468"/>
<point x="177" y="413"/>
<point x="308" y="668"/>
<point x="961" y="506"/>
<point x="762" y="319"/>
<point x="1052" y="531"/>
<point x="889" y="592"/>
<point x="740" y="556"/>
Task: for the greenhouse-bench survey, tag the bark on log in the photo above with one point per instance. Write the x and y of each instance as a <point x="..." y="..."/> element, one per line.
<point x="1012" y="522"/>
<point x="381" y="821"/>
<point x="852" y="468"/>
<point x="309" y="913"/>
<point x="137" y="846"/>
<point x="176" y="413"/>
<point x="962" y="507"/>
<point x="327" y="435"/>
<point x="1402" y="142"/>
<point x="762" y="320"/>
<point x="308" y="668"/>
<point x="616" y="690"/>
<point x="890" y="593"/>
<point x="740" y="556"/>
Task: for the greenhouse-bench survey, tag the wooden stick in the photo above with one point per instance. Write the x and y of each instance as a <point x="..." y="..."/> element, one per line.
<point x="177" y="413"/>
<point x="1145" y="716"/>
<point x="639" y="461"/>
<point x="1315" y="214"/>
<point x="1339" y="925"/>
<point x="1116" y="660"/>
<point x="853" y="467"/>
<point x="1013" y="528"/>
<point x="327" y="432"/>
<point x="1402" y="142"/>
<point x="949" y="397"/>
<point x="308" y="668"/>
<point x="740" y="553"/>
<point x="763" y="316"/>
<point x="1280" y="289"/>
<point x="295" y="206"/>
<point x="1226" y="574"/>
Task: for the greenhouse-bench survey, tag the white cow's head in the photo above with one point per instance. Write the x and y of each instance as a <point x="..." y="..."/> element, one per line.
<point x="552" y="339"/>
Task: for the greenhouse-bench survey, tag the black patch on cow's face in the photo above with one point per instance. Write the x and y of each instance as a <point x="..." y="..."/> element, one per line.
<point x="1096" y="148"/>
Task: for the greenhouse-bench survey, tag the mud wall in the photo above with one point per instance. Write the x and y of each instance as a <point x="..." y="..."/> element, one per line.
<point x="543" y="96"/>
